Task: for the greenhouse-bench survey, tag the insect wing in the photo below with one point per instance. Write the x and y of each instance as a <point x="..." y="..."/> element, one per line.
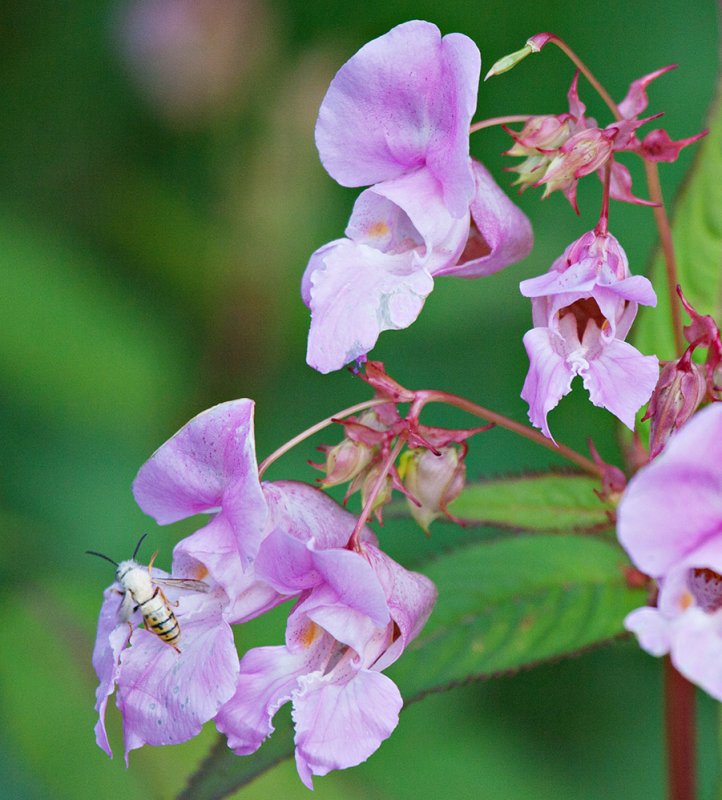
<point x="183" y="583"/>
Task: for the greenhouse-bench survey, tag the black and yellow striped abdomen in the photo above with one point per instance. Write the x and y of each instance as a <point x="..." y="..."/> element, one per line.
<point x="159" y="619"/>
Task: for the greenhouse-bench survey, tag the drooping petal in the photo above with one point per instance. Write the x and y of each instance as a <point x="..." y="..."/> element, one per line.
<point x="620" y="186"/>
<point x="339" y="725"/>
<point x="191" y="472"/>
<point x="621" y="379"/>
<point x="650" y="628"/>
<point x="164" y="696"/>
<point x="359" y="293"/>
<point x="267" y="678"/>
<point x="696" y="649"/>
<point x="410" y="596"/>
<point x="110" y="640"/>
<point x="549" y="377"/>
<point x="403" y="101"/>
<point x="672" y="506"/>
<point x="500" y="235"/>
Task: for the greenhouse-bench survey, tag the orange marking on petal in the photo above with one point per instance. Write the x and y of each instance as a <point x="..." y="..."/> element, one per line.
<point x="309" y="635"/>
<point x="378" y="229"/>
<point x="686" y="601"/>
<point x="200" y="572"/>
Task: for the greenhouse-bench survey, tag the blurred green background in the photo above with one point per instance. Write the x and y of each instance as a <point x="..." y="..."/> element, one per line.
<point x="160" y="194"/>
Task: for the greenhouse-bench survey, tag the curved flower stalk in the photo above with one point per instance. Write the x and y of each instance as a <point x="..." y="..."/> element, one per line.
<point x="670" y="523"/>
<point x="582" y="310"/>
<point x="356" y="612"/>
<point x="397" y="116"/>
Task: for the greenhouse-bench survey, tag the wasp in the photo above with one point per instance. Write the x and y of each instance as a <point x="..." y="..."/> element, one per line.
<point x="141" y="592"/>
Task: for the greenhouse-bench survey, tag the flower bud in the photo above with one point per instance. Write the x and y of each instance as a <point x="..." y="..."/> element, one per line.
<point x="681" y="388"/>
<point x="433" y="480"/>
<point x="505" y="63"/>
<point x="345" y="461"/>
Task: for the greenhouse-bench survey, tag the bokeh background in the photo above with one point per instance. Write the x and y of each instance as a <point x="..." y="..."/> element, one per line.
<point x="160" y="194"/>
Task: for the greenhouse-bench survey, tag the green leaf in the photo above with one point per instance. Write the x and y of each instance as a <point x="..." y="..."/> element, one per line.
<point x="697" y="234"/>
<point x="502" y="606"/>
<point x="544" y="502"/>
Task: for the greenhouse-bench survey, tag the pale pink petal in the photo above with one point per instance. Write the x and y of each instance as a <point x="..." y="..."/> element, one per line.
<point x="339" y="725"/>
<point x="267" y="677"/>
<point x="214" y="549"/>
<point x="697" y="649"/>
<point x="678" y="497"/>
<point x="164" y="696"/>
<point x="359" y="293"/>
<point x="305" y="512"/>
<point x="410" y="596"/>
<point x="500" y="235"/>
<point x="549" y="377"/>
<point x="110" y="640"/>
<point x="621" y="380"/>
<point x="190" y="473"/>
<point x="286" y="563"/>
<point x="404" y="100"/>
<point x="412" y="207"/>
<point x="651" y="629"/>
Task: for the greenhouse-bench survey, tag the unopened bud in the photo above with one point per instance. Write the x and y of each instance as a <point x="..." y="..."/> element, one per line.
<point x="505" y="63"/>
<point x="345" y="461"/>
<point x="433" y="480"/>
<point x="681" y="388"/>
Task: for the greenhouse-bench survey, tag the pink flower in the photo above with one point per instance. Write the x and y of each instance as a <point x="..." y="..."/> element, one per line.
<point x="397" y="116"/>
<point x="164" y="695"/>
<point x="670" y="523"/>
<point x="355" y="615"/>
<point x="582" y="311"/>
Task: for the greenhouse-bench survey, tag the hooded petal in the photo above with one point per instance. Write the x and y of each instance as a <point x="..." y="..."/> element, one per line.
<point x="192" y="471"/>
<point x="500" y="233"/>
<point x="410" y="596"/>
<point x="403" y="101"/>
<point x="549" y="377"/>
<point x="306" y="513"/>
<point x="165" y="696"/>
<point x="214" y="550"/>
<point x="339" y="725"/>
<point x="267" y="678"/>
<point x="359" y="293"/>
<point x="673" y="505"/>
<point x="620" y="379"/>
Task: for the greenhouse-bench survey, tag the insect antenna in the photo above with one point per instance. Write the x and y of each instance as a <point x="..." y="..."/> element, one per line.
<point x="137" y="547"/>
<point x="100" y="555"/>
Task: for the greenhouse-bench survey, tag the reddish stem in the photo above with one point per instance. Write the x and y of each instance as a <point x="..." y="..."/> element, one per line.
<point x="679" y="715"/>
<point x="665" y="239"/>
<point x="353" y="542"/>
<point x="430" y="396"/>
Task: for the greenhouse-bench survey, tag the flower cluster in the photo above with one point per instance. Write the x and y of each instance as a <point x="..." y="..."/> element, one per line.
<point x="356" y="609"/>
<point x="560" y="149"/>
<point x="396" y="118"/>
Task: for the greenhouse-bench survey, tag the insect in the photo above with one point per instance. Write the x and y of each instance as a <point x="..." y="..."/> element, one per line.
<point x="141" y="591"/>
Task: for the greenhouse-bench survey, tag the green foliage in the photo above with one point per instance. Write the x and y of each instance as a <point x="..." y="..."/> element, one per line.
<point x="504" y="605"/>
<point x="544" y="502"/>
